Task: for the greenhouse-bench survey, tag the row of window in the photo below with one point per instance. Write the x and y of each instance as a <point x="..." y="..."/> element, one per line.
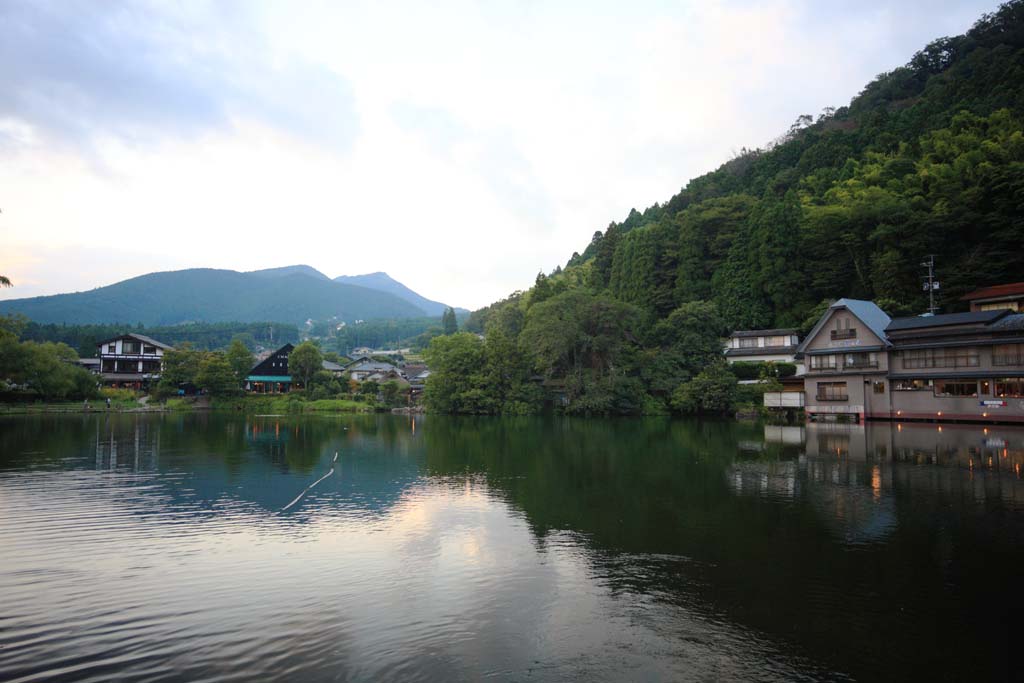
<point x="836" y="361"/>
<point x="943" y="388"/>
<point x="128" y="348"/>
<point x="751" y="342"/>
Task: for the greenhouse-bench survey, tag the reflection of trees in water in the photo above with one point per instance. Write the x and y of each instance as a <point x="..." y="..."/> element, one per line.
<point x="828" y="548"/>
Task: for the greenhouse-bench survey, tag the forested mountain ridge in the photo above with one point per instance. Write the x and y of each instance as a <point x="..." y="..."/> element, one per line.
<point x="292" y="294"/>
<point x="927" y="159"/>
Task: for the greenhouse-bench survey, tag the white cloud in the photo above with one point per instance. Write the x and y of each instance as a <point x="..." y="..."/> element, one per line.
<point x="460" y="147"/>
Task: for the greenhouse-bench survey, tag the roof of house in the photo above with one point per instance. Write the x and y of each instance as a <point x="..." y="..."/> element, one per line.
<point x="866" y="311"/>
<point x="945" y="320"/>
<point x="140" y="337"/>
<point x="370" y="366"/>
<point x="764" y="333"/>
<point x="332" y="366"/>
<point x="1014" y="321"/>
<point x="996" y="291"/>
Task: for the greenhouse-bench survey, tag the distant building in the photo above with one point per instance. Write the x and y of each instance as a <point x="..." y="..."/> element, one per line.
<point x="271" y="376"/>
<point x="778" y="345"/>
<point x="362" y="369"/>
<point x="1000" y="297"/>
<point x="847" y="361"/>
<point x="130" y="360"/>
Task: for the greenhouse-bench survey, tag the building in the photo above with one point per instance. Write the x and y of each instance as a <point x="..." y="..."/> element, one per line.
<point x="778" y="346"/>
<point x="271" y="376"/>
<point x="958" y="366"/>
<point x="846" y="359"/>
<point x="362" y="369"/>
<point x="999" y="297"/>
<point x="132" y="361"/>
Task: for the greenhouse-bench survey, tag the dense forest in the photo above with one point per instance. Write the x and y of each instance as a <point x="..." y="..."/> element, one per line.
<point x="202" y="336"/>
<point x="927" y="159"/>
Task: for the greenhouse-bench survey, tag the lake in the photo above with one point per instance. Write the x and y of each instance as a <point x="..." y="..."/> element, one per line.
<point x="221" y="547"/>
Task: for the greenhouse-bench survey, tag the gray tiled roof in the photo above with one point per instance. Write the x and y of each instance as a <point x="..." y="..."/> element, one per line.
<point x="946" y="319"/>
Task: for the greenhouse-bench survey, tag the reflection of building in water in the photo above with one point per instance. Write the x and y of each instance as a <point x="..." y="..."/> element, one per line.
<point x="855" y="473"/>
<point x="137" y="447"/>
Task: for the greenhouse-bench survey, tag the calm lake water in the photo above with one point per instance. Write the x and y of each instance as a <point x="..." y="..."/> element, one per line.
<point x="177" y="547"/>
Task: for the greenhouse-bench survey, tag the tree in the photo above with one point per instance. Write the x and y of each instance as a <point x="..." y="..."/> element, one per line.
<point x="449" y="325"/>
<point x="712" y="391"/>
<point x="181" y="365"/>
<point x="5" y="282"/>
<point x="217" y="377"/>
<point x="240" y="359"/>
<point x="457" y="383"/>
<point x="305" y="361"/>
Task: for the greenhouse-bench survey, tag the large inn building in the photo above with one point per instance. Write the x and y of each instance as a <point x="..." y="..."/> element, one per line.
<point x="957" y="366"/>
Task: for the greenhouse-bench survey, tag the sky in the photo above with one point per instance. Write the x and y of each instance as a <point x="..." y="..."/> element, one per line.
<point x="462" y="147"/>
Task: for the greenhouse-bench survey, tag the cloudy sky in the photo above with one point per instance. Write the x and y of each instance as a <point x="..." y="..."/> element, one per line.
<point x="459" y="146"/>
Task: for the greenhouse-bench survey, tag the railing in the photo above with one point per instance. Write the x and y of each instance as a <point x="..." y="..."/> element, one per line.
<point x="850" y="333"/>
<point x="832" y="397"/>
<point x="1007" y="360"/>
<point x="860" y="365"/>
<point x="784" y="399"/>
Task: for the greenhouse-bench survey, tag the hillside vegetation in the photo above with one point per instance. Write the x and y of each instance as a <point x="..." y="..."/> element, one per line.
<point x="292" y="294"/>
<point x="927" y="159"/>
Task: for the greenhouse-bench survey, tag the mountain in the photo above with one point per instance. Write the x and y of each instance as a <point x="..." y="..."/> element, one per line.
<point x="382" y="282"/>
<point x="291" y="294"/>
<point x="927" y="159"/>
<point x="290" y="270"/>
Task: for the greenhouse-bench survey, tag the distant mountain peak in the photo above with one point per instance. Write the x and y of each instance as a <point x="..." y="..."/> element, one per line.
<point x="282" y="271"/>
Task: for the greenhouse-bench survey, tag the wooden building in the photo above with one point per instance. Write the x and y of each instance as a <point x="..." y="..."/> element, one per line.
<point x="132" y="361"/>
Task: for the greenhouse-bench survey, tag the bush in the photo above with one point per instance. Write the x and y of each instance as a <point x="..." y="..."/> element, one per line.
<point x="713" y="391"/>
<point x="747" y="369"/>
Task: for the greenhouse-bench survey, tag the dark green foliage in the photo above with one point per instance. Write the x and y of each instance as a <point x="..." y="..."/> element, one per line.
<point x="240" y="359"/>
<point x="304" y="362"/>
<point x="391" y="333"/>
<point x="928" y="159"/>
<point x="206" y="336"/>
<point x="746" y="370"/>
<point x="448" y="323"/>
<point x="217" y="377"/>
<point x="47" y="369"/>
<point x="712" y="391"/>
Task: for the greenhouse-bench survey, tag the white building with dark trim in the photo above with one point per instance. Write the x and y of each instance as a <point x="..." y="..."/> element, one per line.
<point x="754" y="346"/>
<point x="132" y="361"/>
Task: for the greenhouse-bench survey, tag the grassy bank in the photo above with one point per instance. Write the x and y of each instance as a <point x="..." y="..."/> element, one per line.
<point x="286" y="404"/>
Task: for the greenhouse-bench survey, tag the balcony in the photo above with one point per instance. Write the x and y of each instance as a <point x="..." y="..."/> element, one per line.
<point x="1007" y="360"/>
<point x="832" y="397"/>
<point x="850" y="333"/>
<point x="861" y="365"/>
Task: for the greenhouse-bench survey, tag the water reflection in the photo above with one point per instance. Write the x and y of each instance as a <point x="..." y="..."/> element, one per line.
<point x="452" y="549"/>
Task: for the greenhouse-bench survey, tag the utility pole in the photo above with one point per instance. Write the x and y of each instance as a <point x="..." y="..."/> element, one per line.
<point x="930" y="285"/>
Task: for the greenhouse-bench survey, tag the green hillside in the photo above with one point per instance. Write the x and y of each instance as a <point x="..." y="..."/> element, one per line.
<point x="207" y="295"/>
<point x="927" y="159"/>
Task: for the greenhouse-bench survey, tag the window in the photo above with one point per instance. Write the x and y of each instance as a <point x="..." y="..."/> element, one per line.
<point x="860" y="360"/>
<point x="149" y="349"/>
<point x="748" y="342"/>
<point x="832" y="391"/>
<point x="1009" y="388"/>
<point x="775" y="341"/>
<point x="940" y="358"/>
<point x="953" y="388"/>
<point x="843" y="330"/>
<point x="985" y="387"/>
<point x="823" y="362"/>
<point x="1008" y="354"/>
<point x="910" y="385"/>
<point x="1012" y="305"/>
<point x="878" y="386"/>
<point x="129" y="347"/>
<point x="111" y="348"/>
